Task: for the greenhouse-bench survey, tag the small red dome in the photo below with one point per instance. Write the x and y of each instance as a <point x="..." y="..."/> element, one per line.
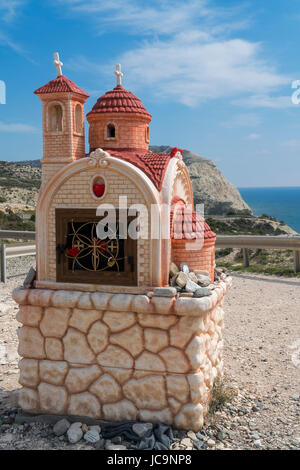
<point x="119" y="100"/>
<point x="186" y="224"/>
<point x="61" y="84"/>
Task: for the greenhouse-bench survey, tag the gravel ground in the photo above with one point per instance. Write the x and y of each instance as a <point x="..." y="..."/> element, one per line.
<point x="262" y="369"/>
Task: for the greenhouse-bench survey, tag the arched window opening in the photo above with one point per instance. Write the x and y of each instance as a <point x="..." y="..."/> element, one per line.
<point x="111" y="131"/>
<point x="55" y="117"/>
<point x="147" y="134"/>
<point x="78" y="119"/>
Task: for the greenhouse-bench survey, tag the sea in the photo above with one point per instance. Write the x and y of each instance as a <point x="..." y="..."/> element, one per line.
<point x="283" y="203"/>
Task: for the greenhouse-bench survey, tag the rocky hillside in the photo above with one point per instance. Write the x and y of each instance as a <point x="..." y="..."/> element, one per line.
<point x="210" y="187"/>
<point x="19" y="183"/>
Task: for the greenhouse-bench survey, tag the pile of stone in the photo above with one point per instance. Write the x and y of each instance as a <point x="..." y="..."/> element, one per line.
<point x="195" y="283"/>
<point x="74" y="432"/>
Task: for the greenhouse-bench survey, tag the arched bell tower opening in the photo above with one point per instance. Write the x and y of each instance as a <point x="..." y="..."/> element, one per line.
<point x="55" y="118"/>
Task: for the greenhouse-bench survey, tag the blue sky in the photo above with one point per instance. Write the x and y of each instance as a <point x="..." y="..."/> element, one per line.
<point x="215" y="75"/>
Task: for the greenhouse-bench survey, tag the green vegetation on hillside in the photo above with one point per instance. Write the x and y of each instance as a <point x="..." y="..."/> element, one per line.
<point x="272" y="262"/>
<point x="244" y="226"/>
<point x="17" y="175"/>
<point x="11" y="221"/>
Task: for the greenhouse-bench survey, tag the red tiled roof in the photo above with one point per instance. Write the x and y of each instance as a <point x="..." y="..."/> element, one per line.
<point x="119" y="100"/>
<point x="186" y="224"/>
<point x="61" y="84"/>
<point x="154" y="165"/>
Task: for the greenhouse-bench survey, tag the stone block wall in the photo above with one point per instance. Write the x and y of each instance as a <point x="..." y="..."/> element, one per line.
<point x="120" y="356"/>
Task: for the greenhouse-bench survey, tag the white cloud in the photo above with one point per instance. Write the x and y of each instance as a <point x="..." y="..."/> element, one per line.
<point x="17" y="128"/>
<point x="187" y="54"/>
<point x="155" y="16"/>
<point x="242" y="120"/>
<point x="292" y="144"/>
<point x="265" y="101"/>
<point x="191" y="71"/>
<point x="253" y="136"/>
<point x="264" y="152"/>
<point x="9" y="9"/>
<point x="5" y="40"/>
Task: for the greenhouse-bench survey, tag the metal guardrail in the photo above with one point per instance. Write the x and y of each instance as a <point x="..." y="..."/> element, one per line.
<point x="15" y="235"/>
<point x="223" y="241"/>
<point x="245" y="242"/>
<point x="7" y="252"/>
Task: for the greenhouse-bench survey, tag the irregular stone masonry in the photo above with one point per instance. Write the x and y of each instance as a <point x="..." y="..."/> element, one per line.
<point x="120" y="356"/>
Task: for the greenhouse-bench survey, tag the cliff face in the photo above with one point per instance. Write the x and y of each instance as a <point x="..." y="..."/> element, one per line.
<point x="210" y="187"/>
<point x="19" y="183"/>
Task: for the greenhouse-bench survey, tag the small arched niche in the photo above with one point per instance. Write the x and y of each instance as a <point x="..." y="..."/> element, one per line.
<point x="78" y="119"/>
<point x="55" y="115"/>
<point x="147" y="134"/>
<point x="98" y="187"/>
<point x="110" y="131"/>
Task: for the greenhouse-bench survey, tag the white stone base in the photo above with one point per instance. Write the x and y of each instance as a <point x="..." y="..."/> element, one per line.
<point x="120" y="356"/>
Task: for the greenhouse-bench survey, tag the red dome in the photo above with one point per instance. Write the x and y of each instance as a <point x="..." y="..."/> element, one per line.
<point x="61" y="84"/>
<point x="119" y="100"/>
<point x="185" y="224"/>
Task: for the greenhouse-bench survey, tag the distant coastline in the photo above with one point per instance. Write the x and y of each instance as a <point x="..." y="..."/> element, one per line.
<point x="283" y="203"/>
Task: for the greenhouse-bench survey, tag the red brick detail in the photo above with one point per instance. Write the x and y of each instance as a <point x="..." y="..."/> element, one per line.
<point x="131" y="130"/>
<point x="203" y="259"/>
<point x="119" y="100"/>
<point x="187" y="224"/>
<point x="61" y="84"/>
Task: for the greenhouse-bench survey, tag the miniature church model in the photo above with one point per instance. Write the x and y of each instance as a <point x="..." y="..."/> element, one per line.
<point x="117" y="327"/>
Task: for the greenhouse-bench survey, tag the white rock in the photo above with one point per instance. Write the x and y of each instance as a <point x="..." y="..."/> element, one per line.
<point x="191" y="286"/>
<point x="74" y="433"/>
<point x="61" y="427"/>
<point x="92" y="436"/>
<point x="201" y="272"/>
<point x="181" y="279"/>
<point x="211" y="443"/>
<point x="193" y="277"/>
<point x="115" y="447"/>
<point x="165" y="291"/>
<point x="173" y="269"/>
<point x="184" y="268"/>
<point x="141" y="428"/>
<point x="204" y="281"/>
<point x="95" y="428"/>
<point x="77" y="424"/>
<point x="192" y="435"/>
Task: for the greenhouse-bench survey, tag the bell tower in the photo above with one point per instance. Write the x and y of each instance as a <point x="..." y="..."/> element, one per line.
<point x="63" y="122"/>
